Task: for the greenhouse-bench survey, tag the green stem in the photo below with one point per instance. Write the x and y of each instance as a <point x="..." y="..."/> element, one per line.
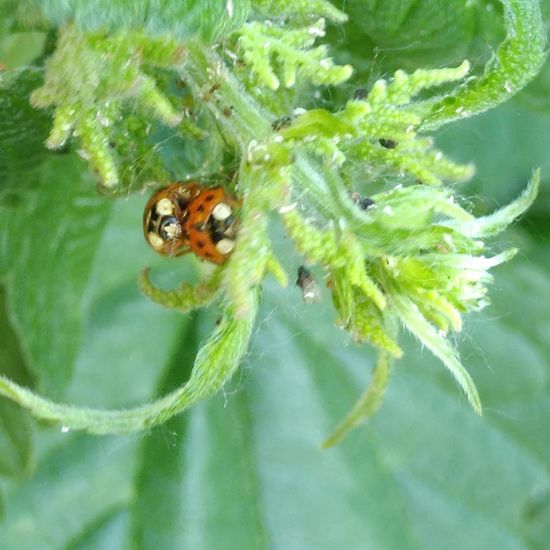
<point x="215" y="363"/>
<point x="368" y="403"/>
<point x="312" y="184"/>
<point x="187" y="297"/>
<point x="205" y="71"/>
<point x="237" y="112"/>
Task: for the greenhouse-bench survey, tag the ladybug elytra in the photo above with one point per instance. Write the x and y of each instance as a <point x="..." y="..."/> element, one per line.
<point x="187" y="217"/>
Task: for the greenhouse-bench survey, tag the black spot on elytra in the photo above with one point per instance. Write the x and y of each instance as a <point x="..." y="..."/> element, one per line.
<point x="222" y="227"/>
<point x="183" y="203"/>
<point x="208" y="198"/>
<point x="217" y="236"/>
<point x="201" y="244"/>
<point x="200" y="208"/>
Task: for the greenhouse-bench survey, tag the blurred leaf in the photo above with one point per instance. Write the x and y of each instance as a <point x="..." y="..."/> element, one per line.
<point x="21" y="48"/>
<point x="244" y="470"/>
<point x="15" y="440"/>
<point x="126" y="344"/>
<point x="16" y="445"/>
<point x="7" y="14"/>
<point x="537" y="95"/>
<point x="23" y="131"/>
<point x="506" y="143"/>
<point x="127" y="341"/>
<point x="160" y="513"/>
<point x="156" y="512"/>
<point x="211" y="19"/>
<point x="189" y="158"/>
<point x="57" y="506"/>
<point x="47" y="248"/>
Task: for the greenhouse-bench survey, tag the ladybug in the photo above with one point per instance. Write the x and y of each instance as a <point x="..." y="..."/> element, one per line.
<point x="187" y="217"/>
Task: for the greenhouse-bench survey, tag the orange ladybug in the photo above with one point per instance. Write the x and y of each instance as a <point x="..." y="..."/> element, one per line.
<point x="187" y="217"/>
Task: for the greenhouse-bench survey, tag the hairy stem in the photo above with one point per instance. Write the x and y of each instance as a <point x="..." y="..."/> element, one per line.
<point x="368" y="403"/>
<point x="237" y="112"/>
<point x="215" y="363"/>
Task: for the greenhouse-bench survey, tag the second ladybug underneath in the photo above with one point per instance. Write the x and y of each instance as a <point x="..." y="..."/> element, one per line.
<point x="187" y="217"/>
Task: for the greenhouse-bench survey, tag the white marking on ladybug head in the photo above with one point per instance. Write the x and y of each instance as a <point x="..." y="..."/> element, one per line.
<point x="165" y="207"/>
<point x="221" y="211"/>
<point x="172" y="230"/>
<point x="225" y="246"/>
<point x="155" y="241"/>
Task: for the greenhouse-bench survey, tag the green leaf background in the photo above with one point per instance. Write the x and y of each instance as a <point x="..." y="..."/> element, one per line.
<point x="211" y="19"/>
<point x="244" y="470"/>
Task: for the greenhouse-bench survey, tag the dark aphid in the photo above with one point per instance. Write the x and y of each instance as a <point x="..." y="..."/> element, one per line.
<point x="280" y="123"/>
<point x="388" y="143"/>
<point x="307" y="283"/>
<point x="363" y="202"/>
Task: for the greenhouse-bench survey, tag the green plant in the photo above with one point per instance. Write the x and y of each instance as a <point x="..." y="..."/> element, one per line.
<point x="123" y="81"/>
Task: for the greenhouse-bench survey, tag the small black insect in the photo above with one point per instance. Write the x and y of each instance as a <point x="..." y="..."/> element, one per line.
<point x="307" y="283"/>
<point x="388" y="143"/>
<point x="363" y="202"/>
<point x="280" y="123"/>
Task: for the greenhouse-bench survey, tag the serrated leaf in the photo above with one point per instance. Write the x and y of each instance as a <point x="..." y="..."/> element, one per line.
<point x="395" y="34"/>
<point x="537" y="93"/>
<point x="515" y="64"/>
<point x="496" y="222"/>
<point x="428" y="336"/>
